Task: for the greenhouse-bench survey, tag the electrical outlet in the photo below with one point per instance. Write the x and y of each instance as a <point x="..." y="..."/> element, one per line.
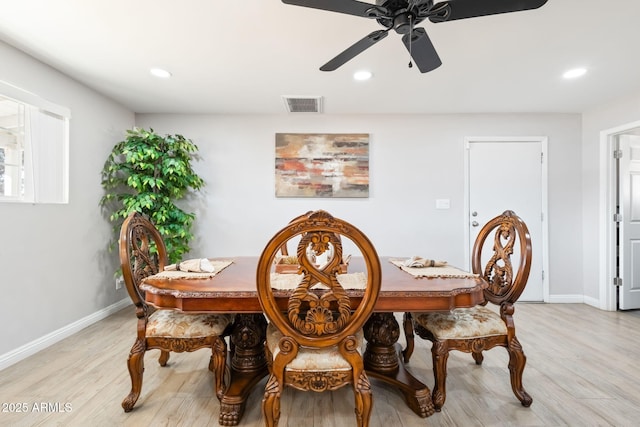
<point x="119" y="282"/>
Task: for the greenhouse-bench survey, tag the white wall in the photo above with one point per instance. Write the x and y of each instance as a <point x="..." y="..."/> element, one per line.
<point x="614" y="114"/>
<point x="54" y="265"/>
<point x="414" y="160"/>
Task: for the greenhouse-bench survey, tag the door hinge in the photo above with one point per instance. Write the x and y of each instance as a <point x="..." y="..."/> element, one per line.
<point x="617" y="154"/>
<point x="541" y="157"/>
<point x="543" y="275"/>
<point x="617" y="217"/>
<point x="617" y="281"/>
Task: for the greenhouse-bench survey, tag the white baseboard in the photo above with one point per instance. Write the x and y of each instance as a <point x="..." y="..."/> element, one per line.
<point x="566" y="299"/>
<point x="594" y="303"/>
<point x="41" y="343"/>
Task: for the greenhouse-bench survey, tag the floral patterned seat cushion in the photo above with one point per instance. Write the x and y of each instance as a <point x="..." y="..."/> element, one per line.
<point x="462" y="323"/>
<point x="174" y="324"/>
<point x="312" y="359"/>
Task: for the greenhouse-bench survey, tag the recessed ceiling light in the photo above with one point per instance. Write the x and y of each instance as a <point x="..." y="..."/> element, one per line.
<point x="576" y="72"/>
<point x="362" y="75"/>
<point x="159" y="72"/>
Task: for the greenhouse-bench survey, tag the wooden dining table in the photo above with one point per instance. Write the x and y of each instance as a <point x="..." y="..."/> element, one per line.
<point x="233" y="290"/>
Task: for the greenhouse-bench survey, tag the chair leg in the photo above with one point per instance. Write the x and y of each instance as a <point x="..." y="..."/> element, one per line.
<point x="363" y="400"/>
<point x="135" y="363"/>
<point x="218" y="365"/>
<point x="271" y="402"/>
<point x="164" y="357"/>
<point x="439" y="355"/>
<point x="517" y="361"/>
<point x="407" y="323"/>
<point x="478" y="357"/>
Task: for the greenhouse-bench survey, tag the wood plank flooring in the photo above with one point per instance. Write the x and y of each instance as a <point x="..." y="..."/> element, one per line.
<point x="581" y="371"/>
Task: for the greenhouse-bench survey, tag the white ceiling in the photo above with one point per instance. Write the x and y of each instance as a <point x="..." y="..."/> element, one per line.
<point x="241" y="56"/>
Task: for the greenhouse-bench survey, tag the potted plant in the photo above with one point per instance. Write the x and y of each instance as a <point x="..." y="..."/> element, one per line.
<point x="149" y="173"/>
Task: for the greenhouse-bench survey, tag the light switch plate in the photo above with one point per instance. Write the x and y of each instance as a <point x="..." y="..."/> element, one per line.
<point x="443" y="203"/>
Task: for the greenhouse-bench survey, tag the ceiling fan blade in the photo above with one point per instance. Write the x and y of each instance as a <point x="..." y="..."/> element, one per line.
<point x="351" y="7"/>
<point x="422" y="50"/>
<point x="354" y="50"/>
<point x="452" y="10"/>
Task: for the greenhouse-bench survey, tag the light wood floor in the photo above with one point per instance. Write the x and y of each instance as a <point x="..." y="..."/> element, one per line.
<point x="582" y="370"/>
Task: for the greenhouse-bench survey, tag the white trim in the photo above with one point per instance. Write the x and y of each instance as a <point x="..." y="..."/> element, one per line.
<point x="544" y="141"/>
<point x="606" y="290"/>
<point x="18" y="94"/>
<point x="567" y="299"/>
<point x="592" y="302"/>
<point x="43" y="342"/>
<point x="545" y="223"/>
<point x="43" y="135"/>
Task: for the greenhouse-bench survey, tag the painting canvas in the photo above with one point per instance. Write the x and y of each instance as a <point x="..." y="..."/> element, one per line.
<point x="322" y="165"/>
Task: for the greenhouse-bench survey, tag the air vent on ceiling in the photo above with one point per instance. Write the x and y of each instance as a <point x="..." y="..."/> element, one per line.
<point x="303" y="104"/>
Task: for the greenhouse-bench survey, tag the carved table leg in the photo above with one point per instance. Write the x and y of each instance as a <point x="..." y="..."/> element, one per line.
<point x="248" y="365"/>
<point x="383" y="361"/>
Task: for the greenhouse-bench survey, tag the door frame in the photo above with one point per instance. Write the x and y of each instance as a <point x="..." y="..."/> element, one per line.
<point x="607" y="291"/>
<point x="543" y="140"/>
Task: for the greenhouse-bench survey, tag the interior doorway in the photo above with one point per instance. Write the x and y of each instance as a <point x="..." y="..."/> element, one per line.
<point x="619" y="281"/>
<point x="509" y="173"/>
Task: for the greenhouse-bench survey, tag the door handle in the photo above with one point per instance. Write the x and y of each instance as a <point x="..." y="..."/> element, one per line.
<point x="475" y="223"/>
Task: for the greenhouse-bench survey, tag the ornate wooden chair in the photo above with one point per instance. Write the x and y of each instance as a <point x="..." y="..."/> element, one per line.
<point x="315" y="341"/>
<point x="143" y="253"/>
<point x="473" y="330"/>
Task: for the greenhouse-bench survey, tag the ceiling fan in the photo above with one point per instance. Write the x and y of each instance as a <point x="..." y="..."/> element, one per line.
<point x="403" y="16"/>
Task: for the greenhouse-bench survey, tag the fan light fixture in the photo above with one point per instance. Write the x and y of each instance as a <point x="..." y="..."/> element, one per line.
<point x="574" y="73"/>
<point x="160" y="73"/>
<point x="362" y="75"/>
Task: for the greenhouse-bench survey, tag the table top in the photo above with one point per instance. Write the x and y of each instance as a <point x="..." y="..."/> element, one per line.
<point x="233" y="290"/>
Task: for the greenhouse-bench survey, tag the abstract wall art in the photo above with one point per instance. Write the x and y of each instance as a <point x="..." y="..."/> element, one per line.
<point x="322" y="165"/>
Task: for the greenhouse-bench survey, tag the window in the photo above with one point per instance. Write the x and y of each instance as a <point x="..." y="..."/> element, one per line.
<point x="11" y="148"/>
<point x="34" y="142"/>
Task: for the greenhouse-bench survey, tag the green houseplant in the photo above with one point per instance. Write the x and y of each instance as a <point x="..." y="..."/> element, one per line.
<point x="148" y="173"/>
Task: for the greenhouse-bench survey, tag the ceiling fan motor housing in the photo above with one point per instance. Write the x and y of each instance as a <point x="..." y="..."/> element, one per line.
<point x="399" y="15"/>
<point x="403" y="23"/>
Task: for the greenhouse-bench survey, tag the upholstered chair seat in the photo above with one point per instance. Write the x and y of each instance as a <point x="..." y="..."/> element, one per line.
<point x="313" y="358"/>
<point x="462" y="323"/>
<point x="173" y="324"/>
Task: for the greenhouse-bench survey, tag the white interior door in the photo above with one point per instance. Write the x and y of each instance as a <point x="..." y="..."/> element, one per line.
<point x="508" y="174"/>
<point x="629" y="223"/>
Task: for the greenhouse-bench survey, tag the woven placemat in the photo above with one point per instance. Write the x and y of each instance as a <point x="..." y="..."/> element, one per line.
<point x="218" y="266"/>
<point x="445" y="271"/>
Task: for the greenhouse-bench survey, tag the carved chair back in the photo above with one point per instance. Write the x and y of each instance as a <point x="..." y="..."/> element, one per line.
<point x="493" y="259"/>
<point x="142" y="254"/>
<point x="318" y="313"/>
